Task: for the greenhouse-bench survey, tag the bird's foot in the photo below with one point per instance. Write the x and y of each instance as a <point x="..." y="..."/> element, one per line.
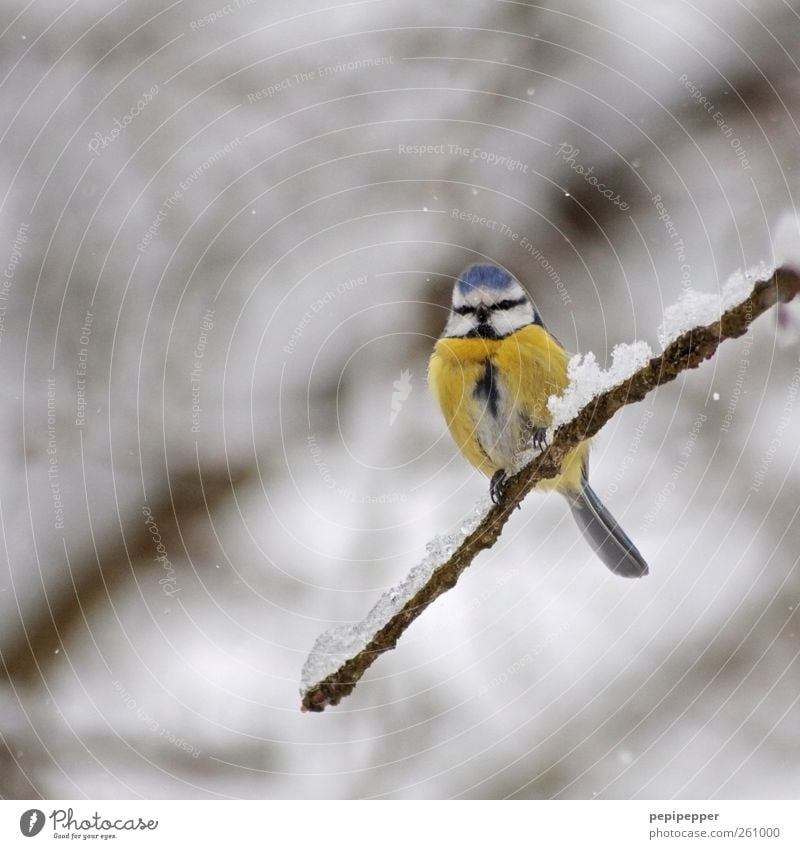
<point x="497" y="485"/>
<point x="539" y="438"/>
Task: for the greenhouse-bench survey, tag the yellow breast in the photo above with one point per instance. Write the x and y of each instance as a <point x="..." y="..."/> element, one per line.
<point x="530" y="365"/>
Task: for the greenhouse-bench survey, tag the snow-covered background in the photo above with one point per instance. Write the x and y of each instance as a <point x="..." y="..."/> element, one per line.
<point x="227" y="239"/>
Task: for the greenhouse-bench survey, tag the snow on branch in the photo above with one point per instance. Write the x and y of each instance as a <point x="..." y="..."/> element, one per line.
<point x="691" y="333"/>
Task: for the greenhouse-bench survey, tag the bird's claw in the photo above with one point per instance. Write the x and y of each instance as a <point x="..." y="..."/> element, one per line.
<point x="539" y="438"/>
<point x="497" y="485"/>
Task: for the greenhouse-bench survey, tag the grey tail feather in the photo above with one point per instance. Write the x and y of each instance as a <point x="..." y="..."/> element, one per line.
<point x="607" y="538"/>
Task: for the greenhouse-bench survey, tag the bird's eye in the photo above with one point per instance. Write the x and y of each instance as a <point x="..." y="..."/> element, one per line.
<point x="464" y="310"/>
<point x="509" y="303"/>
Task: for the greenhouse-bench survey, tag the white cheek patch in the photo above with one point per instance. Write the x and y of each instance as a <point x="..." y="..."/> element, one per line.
<point x="459" y="325"/>
<point x="506" y="322"/>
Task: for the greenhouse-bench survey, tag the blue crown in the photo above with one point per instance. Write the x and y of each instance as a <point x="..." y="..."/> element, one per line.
<point x="483" y="277"/>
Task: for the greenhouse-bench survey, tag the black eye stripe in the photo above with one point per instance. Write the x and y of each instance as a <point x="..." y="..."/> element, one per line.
<point x="507" y="304"/>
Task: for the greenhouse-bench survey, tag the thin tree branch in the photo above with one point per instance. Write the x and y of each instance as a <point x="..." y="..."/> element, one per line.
<point x="685" y="352"/>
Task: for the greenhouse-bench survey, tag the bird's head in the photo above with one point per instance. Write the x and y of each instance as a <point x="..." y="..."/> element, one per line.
<point x="488" y="303"/>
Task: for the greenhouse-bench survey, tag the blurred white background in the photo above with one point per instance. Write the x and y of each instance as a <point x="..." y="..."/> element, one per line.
<point x="222" y="245"/>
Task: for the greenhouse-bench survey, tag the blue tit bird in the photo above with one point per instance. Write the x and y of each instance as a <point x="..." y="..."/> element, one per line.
<point x="492" y="371"/>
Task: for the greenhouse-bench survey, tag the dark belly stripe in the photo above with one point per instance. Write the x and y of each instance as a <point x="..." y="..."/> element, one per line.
<point x="487" y="389"/>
